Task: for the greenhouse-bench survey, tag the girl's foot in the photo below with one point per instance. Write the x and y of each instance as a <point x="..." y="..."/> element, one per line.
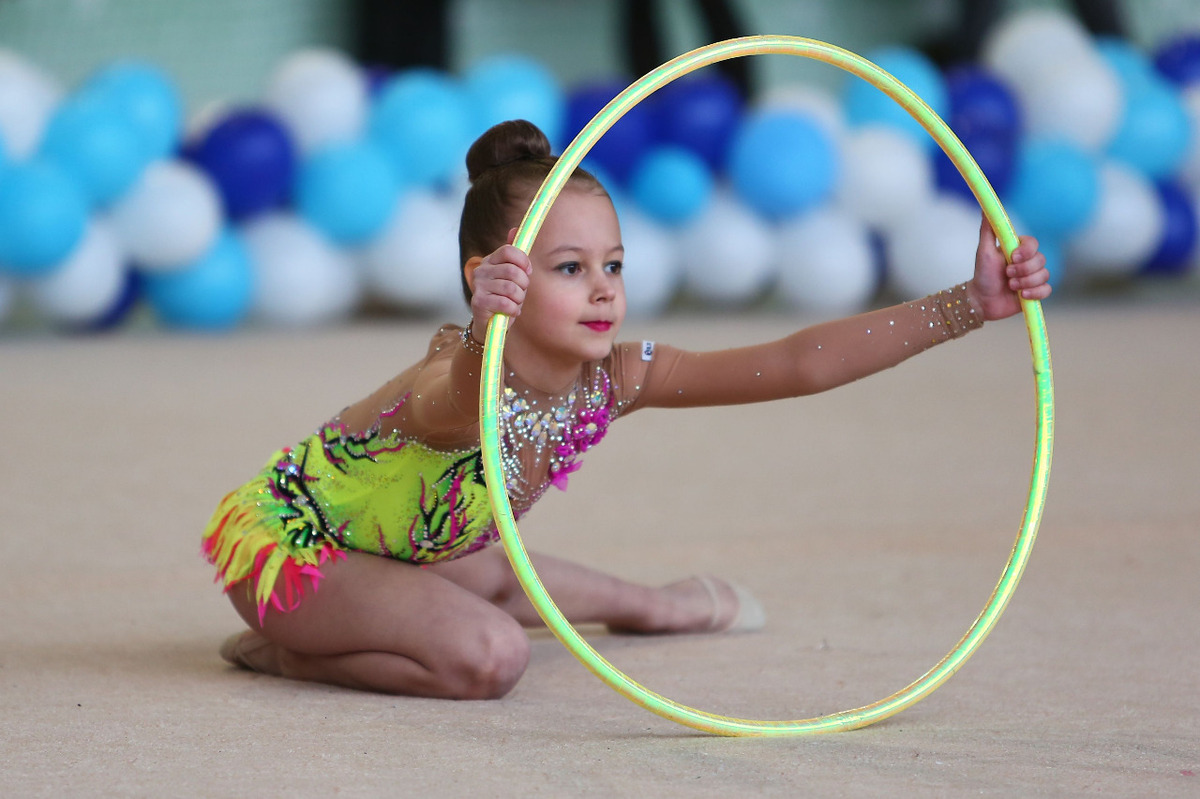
<point x="250" y="650"/>
<point x="700" y="604"/>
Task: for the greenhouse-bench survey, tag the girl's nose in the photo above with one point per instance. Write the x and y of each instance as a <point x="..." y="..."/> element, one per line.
<point x="604" y="288"/>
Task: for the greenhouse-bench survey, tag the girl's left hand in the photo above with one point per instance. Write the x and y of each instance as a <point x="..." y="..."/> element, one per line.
<point x="998" y="286"/>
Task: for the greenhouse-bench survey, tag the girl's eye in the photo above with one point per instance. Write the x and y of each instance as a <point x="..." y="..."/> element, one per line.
<point x="569" y="268"/>
<point x="614" y="267"/>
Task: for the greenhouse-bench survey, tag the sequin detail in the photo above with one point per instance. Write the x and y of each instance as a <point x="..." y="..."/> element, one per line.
<point x="552" y="433"/>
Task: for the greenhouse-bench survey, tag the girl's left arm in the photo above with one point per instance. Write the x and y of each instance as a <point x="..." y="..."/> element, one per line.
<point x="831" y="354"/>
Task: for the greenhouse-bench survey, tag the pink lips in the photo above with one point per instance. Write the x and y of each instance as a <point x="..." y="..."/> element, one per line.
<point x="599" y="327"/>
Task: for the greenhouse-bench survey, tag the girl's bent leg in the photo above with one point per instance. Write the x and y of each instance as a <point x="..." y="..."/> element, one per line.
<point x="586" y="595"/>
<point x="380" y="625"/>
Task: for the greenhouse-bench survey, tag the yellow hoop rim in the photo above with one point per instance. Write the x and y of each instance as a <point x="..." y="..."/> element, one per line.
<point x="491" y="384"/>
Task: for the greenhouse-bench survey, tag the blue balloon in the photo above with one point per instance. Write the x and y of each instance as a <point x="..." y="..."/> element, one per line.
<point x="1056" y="262"/>
<point x="671" y="184"/>
<point x="1131" y="65"/>
<point x="422" y="119"/>
<point x="619" y="150"/>
<point x="1055" y="187"/>
<point x="504" y="87"/>
<point x="118" y="312"/>
<point x="996" y="154"/>
<point x="92" y="139"/>
<point x="251" y="158"/>
<point x="214" y="292"/>
<point x="1179" y="60"/>
<point x="782" y="163"/>
<point x="980" y="102"/>
<point x="1174" y="252"/>
<point x="43" y="214"/>
<point x="700" y="113"/>
<point x="347" y="191"/>
<point x="866" y="105"/>
<point x="3" y="152"/>
<point x="1155" y="132"/>
<point x="149" y="99"/>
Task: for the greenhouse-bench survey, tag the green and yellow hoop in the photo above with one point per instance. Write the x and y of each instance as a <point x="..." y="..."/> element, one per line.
<point x="1034" y="322"/>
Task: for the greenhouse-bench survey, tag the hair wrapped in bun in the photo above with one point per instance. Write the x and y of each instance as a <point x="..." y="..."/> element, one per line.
<point x="505" y="143"/>
<point x="506" y="165"/>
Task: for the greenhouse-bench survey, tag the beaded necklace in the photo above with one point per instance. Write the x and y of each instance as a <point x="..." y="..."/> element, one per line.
<point x="554" y="429"/>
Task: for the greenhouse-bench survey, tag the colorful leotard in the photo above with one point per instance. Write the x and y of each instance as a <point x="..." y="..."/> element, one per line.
<point x="400" y="473"/>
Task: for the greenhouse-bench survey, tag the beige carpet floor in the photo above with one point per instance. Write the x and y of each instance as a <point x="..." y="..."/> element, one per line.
<point x="872" y="521"/>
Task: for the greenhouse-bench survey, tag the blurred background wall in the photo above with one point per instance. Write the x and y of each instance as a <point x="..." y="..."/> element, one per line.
<point x="224" y="49"/>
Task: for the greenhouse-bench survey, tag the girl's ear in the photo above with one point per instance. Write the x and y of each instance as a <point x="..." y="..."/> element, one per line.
<point x="469" y="270"/>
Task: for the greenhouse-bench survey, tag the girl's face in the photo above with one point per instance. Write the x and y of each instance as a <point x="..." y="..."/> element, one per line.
<point x="576" y="298"/>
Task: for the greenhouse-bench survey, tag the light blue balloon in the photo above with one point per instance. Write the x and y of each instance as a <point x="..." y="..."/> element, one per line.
<point x="43" y="214"/>
<point x="3" y="153"/>
<point x="422" y="119"/>
<point x="1132" y="66"/>
<point x="866" y="105"/>
<point x="782" y="163"/>
<point x="671" y="184"/>
<point x="1056" y="262"/>
<point x="214" y="292"/>
<point x="151" y="101"/>
<point x="512" y="86"/>
<point x="1155" y="133"/>
<point x="92" y="139"/>
<point x="1055" y="187"/>
<point x="347" y="191"/>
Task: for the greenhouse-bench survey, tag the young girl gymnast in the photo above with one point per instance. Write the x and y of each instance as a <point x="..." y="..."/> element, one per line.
<point x="385" y="505"/>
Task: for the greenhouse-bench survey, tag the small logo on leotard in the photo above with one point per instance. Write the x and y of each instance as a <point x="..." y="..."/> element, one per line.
<point x="647" y="350"/>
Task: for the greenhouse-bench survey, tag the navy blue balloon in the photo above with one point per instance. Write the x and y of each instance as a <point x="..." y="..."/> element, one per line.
<point x="981" y="102"/>
<point x="996" y="154"/>
<point x="1174" y="252"/>
<point x="251" y="158"/>
<point x="700" y="113"/>
<point x="118" y="312"/>
<point x="626" y="141"/>
<point x="1179" y="60"/>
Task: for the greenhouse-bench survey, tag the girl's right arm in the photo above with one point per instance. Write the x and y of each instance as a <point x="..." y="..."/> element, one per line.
<point x="448" y="396"/>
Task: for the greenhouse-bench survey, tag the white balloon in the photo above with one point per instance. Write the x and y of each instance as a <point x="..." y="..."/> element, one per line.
<point x="1125" y="229"/>
<point x="818" y="104"/>
<point x="1020" y="47"/>
<point x="321" y="95"/>
<point x="88" y="283"/>
<point x="27" y="99"/>
<point x="652" y="270"/>
<point x="302" y="279"/>
<point x="728" y="253"/>
<point x="170" y="217"/>
<point x="885" y="175"/>
<point x="935" y="248"/>
<point x="1079" y="98"/>
<point x="1189" y="170"/>
<point x="826" y="263"/>
<point x="414" y="262"/>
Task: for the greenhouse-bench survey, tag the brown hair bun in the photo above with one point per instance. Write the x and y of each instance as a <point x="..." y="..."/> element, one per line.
<point x="505" y="143"/>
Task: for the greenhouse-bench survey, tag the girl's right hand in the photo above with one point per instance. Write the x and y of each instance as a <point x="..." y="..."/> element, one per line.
<point x="501" y="281"/>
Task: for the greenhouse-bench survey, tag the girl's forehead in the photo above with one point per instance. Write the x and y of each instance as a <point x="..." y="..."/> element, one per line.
<point x="585" y="214"/>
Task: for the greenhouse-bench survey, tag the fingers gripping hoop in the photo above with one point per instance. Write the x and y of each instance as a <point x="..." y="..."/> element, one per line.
<point x="1034" y="321"/>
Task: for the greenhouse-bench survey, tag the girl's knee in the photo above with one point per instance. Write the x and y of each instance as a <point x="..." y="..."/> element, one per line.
<point x="491" y="662"/>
